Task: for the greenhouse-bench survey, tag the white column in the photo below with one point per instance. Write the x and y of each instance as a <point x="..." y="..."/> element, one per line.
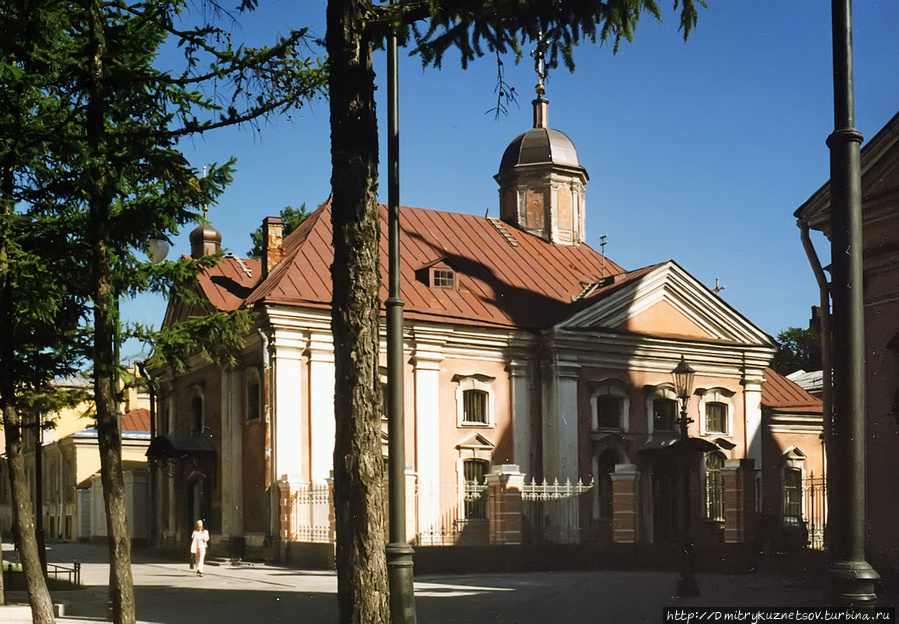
<point x="286" y="413"/>
<point x="522" y="420"/>
<point x="426" y="371"/>
<point x="321" y="411"/>
<point x="752" y="404"/>
<point x="560" y="447"/>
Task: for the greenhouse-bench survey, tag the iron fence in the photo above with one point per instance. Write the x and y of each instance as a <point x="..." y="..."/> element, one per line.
<point x="552" y="511"/>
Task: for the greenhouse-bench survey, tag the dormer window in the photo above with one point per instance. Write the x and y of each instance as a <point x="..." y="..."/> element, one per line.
<point x="443" y="278"/>
<point x="437" y="274"/>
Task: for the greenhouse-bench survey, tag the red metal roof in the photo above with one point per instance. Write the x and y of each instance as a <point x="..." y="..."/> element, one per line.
<point x="136" y="420"/>
<point x="783" y="395"/>
<point x="230" y="282"/>
<point x="505" y="277"/>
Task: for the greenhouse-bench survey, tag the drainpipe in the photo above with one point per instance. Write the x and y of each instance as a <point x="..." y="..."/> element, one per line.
<point x="268" y="482"/>
<point x="152" y="462"/>
<point x="824" y="293"/>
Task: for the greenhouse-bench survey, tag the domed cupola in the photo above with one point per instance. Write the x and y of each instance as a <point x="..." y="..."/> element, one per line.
<point x="541" y="181"/>
<point x="205" y="240"/>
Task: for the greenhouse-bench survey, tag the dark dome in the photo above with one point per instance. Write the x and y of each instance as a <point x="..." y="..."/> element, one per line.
<point x="540" y="146"/>
<point x="205" y="232"/>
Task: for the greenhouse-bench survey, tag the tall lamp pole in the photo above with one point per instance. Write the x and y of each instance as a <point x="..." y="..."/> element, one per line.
<point x="399" y="553"/>
<point x="852" y="578"/>
<point x="683" y="386"/>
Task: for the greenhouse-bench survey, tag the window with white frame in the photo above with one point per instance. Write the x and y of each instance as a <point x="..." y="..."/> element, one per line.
<point x="474" y="400"/>
<point x="793" y="462"/>
<point x="717" y="411"/>
<point x="609" y="404"/>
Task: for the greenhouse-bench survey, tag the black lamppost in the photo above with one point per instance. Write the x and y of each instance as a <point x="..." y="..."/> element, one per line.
<point x="683" y="386"/>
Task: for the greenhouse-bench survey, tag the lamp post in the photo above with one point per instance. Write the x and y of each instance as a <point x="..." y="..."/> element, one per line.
<point x="683" y="386"/>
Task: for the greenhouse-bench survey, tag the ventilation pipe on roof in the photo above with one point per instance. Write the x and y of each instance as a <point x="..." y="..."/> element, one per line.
<point x="824" y="290"/>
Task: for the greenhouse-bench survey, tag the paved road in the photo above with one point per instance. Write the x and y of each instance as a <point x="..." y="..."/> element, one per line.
<point x="170" y="593"/>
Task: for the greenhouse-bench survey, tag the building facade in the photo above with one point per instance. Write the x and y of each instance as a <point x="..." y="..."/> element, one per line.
<point x="528" y="358"/>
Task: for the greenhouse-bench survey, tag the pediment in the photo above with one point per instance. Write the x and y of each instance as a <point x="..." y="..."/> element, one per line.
<point x="475" y="441"/>
<point x="668" y="301"/>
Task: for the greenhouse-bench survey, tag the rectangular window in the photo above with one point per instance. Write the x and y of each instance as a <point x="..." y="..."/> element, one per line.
<point x="475" y="494"/>
<point x="664" y="414"/>
<point x="714" y="487"/>
<point x="443" y="278"/>
<point x="474" y="407"/>
<point x="716" y="417"/>
<point x="609" y="411"/>
<point x="792" y="495"/>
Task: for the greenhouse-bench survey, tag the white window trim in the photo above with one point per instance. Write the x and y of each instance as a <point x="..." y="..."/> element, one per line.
<point x="609" y="387"/>
<point x="482" y="383"/>
<point x="793" y="459"/>
<point x="716" y="395"/>
<point x="475" y="448"/>
<point x="654" y="393"/>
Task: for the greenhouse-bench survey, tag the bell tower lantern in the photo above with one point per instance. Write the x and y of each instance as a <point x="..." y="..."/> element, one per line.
<point x="541" y="181"/>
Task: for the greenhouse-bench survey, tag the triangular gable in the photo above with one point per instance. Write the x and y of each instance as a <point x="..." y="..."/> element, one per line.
<point x="668" y="301"/>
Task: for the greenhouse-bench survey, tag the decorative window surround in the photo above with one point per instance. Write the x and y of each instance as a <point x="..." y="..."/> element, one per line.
<point x="710" y="397"/>
<point x="609" y="394"/>
<point x="660" y="398"/>
<point x="792" y="472"/>
<point x="475" y="401"/>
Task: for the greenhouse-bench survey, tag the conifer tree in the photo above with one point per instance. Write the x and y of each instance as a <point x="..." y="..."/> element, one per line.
<point x="431" y="28"/>
<point x="105" y="169"/>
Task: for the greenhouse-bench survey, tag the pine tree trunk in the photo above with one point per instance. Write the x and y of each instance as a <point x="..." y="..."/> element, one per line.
<point x="22" y="516"/>
<point x="358" y="499"/>
<point x="23" y="520"/>
<point x="121" y="585"/>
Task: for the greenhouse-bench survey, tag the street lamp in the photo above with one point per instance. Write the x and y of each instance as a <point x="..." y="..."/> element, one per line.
<point x="683" y="386"/>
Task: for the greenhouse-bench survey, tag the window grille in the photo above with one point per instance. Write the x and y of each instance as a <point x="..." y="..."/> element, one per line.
<point x="475" y="497"/>
<point x="792" y="495"/>
<point x="714" y="487"/>
<point x="474" y="407"/>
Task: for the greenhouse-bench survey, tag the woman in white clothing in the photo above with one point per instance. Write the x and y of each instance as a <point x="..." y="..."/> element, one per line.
<point x="198" y="541"/>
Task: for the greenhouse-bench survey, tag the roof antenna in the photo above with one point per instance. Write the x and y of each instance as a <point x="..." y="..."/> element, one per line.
<point x="718" y="287"/>
<point x="540" y="104"/>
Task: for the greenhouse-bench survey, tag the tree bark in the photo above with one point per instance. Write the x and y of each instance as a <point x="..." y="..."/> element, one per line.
<point x="358" y="499"/>
<point x="22" y="515"/>
<point x="121" y="584"/>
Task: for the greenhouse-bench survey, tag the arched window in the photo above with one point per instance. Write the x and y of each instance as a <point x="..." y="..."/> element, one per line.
<point x="714" y="487"/>
<point x="792" y="495"/>
<point x="717" y="410"/>
<point x="474" y="400"/>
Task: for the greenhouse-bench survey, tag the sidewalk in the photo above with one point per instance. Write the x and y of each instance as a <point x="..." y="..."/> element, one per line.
<point x="170" y="593"/>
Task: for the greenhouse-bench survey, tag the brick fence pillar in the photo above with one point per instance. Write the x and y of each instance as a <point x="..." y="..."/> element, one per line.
<point x="504" y="485"/>
<point x="625" y="503"/>
<point x="739" y="501"/>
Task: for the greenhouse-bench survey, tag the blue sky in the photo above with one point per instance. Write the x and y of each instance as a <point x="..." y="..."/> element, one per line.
<point x="696" y="151"/>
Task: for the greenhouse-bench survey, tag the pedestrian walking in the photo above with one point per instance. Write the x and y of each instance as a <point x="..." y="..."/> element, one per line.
<point x="198" y="541"/>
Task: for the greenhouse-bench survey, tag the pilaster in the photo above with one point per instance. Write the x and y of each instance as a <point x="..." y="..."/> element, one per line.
<point x="427" y="358"/>
<point x="321" y="406"/>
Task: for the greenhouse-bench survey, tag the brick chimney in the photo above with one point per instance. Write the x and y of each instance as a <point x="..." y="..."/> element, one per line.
<point x="272" y="249"/>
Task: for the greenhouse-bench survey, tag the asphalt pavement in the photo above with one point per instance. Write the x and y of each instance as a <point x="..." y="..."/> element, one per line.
<point x="170" y="593"/>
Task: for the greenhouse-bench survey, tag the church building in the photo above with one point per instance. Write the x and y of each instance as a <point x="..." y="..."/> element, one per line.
<point x="530" y="360"/>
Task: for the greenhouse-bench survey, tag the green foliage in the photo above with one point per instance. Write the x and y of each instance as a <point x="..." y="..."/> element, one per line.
<point x="478" y="27"/>
<point x="291" y="217"/>
<point x="797" y="349"/>
<point x="217" y="336"/>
